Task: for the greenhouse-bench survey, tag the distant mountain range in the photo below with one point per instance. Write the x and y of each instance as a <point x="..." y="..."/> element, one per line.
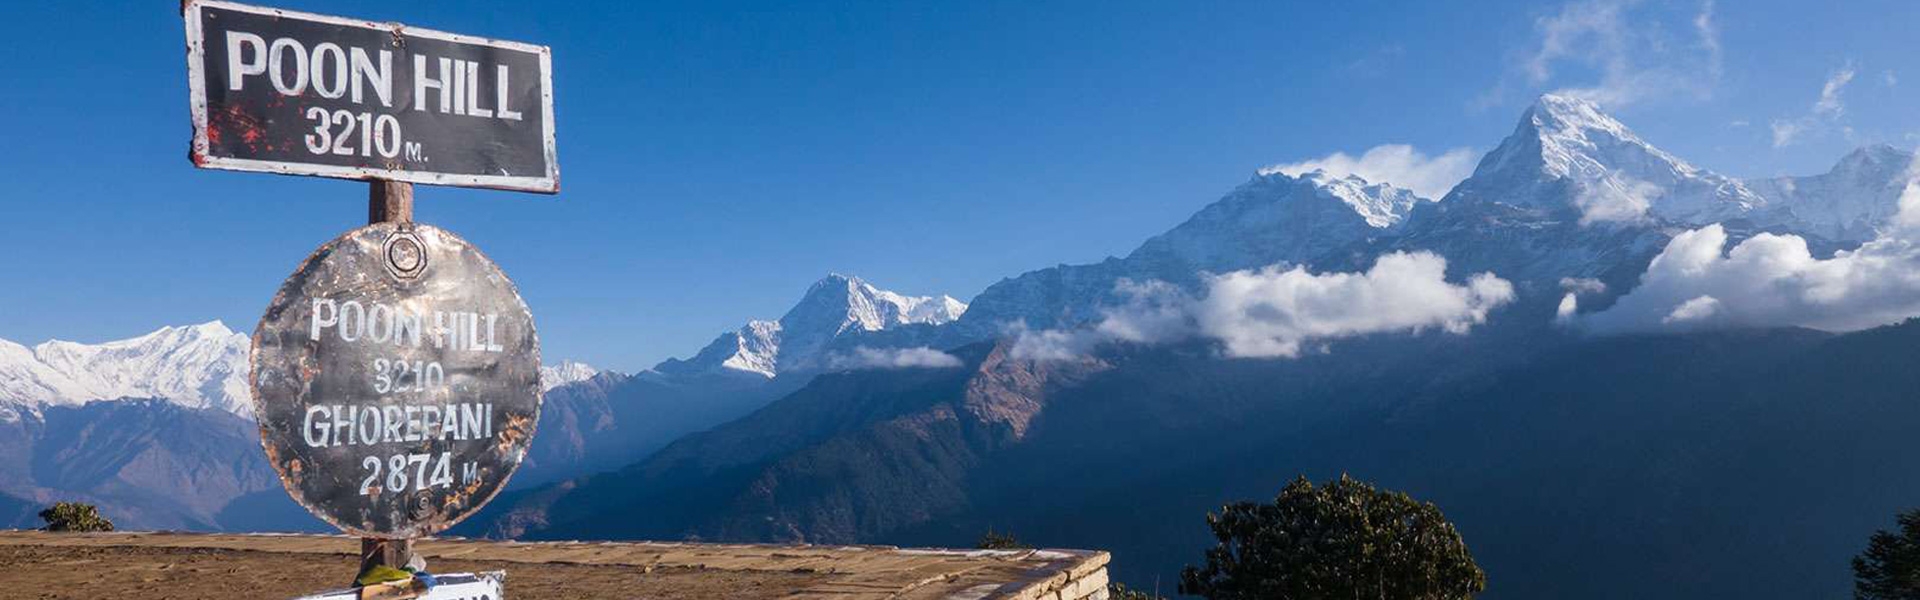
<point x="195" y="379"/>
<point x="1567" y="458"/>
<point x="1573" y="352"/>
<point x="202" y="366"/>
<point x="1571" y="193"/>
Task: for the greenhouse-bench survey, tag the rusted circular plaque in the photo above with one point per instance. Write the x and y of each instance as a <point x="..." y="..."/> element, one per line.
<point x="396" y="377"/>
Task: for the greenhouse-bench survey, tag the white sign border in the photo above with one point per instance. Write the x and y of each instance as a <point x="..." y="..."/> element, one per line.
<point x="196" y="86"/>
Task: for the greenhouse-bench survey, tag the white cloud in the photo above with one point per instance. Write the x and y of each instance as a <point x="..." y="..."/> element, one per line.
<point x="1709" y="37"/>
<point x="1614" y="198"/>
<point x="1570" y="303"/>
<point x="1887" y="77"/>
<point x="1785" y="132"/>
<point x="1271" y="312"/>
<point x="1829" y="103"/>
<point x="1275" y="312"/>
<point x="1569" y="306"/>
<point x="920" y="357"/>
<point x="1826" y="110"/>
<point x="1398" y="164"/>
<point x="1154" y="312"/>
<point x="1626" y="53"/>
<point x="1051" y="344"/>
<point x="1773" y="280"/>
<point x="1697" y="309"/>
<point x="1583" y="285"/>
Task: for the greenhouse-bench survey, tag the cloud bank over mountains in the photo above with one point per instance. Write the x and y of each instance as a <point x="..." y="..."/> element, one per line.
<point x="1774" y="280"/>
<point x="1276" y="312"/>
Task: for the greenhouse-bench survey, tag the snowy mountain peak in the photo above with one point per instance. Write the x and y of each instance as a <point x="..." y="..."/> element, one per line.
<point x="1567" y="137"/>
<point x="854" y="303"/>
<point x="1381" y="204"/>
<point x="1277" y="217"/>
<point x="201" y="366"/>
<point x="1568" y="155"/>
<point x="834" y="306"/>
<point x="1850" y="202"/>
<point x="1876" y="161"/>
<point x="1570" y="116"/>
<point x="164" y="336"/>
<point x="553" y="376"/>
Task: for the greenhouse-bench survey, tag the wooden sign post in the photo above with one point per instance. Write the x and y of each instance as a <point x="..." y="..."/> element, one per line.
<point x="395" y="375"/>
<point x="387" y="202"/>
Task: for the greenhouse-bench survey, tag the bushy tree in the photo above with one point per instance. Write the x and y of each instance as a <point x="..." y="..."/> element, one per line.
<point x="1000" y="541"/>
<point x="1344" y="540"/>
<point x="74" y="516"/>
<point x="1890" y="567"/>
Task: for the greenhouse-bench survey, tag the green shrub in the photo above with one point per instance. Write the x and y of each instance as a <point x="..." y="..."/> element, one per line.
<point x="75" y="516"/>
<point x="1342" y="540"/>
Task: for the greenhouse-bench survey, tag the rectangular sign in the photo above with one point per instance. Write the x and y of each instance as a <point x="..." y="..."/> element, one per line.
<point x="279" y="91"/>
<point x="454" y="586"/>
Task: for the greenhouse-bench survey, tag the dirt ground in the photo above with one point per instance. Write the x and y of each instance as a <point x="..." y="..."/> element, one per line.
<point x="134" y="573"/>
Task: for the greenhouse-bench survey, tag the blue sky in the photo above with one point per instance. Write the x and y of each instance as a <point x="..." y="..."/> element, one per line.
<point x="717" y="157"/>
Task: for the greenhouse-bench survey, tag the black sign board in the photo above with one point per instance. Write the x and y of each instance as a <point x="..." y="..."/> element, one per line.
<point x="286" y="92"/>
<point x="396" y="378"/>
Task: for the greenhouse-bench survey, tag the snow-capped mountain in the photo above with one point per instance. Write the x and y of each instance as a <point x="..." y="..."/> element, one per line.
<point x="201" y="366"/>
<point x="1568" y="155"/>
<point x="197" y="366"/>
<point x="1571" y="193"/>
<point x="1571" y="197"/>
<point x="833" y="307"/>
<point x="553" y="376"/>
<point x="1846" y="203"/>
<point x="1275" y="218"/>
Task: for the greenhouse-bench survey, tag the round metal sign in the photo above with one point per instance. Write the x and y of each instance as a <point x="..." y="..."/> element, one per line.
<point x="396" y="377"/>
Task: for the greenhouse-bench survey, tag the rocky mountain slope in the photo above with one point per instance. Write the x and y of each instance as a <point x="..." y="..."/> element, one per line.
<point x="607" y="421"/>
<point x="785" y="472"/>
<point x="149" y="464"/>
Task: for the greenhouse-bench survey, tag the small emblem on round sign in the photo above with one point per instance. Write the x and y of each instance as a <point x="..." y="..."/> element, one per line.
<point x="404" y="256"/>
<point x="396" y="378"/>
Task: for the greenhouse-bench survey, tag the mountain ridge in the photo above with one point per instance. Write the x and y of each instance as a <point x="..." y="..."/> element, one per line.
<point x="832" y="307"/>
<point x="201" y="366"/>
